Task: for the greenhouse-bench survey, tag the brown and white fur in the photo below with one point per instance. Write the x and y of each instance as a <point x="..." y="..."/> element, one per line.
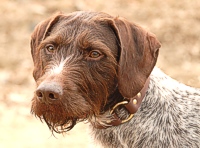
<point x="169" y="117"/>
<point x="86" y="62"/>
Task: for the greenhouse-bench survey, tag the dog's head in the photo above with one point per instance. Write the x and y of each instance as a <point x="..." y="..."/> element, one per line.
<point x="82" y="59"/>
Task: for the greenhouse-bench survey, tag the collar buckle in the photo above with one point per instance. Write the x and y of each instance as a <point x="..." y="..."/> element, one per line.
<point x="117" y="105"/>
<point x="131" y="104"/>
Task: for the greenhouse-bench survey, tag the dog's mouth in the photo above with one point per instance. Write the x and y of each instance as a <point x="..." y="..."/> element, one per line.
<point x="56" y="116"/>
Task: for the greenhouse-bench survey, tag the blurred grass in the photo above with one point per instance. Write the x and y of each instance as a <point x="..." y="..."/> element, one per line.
<point x="175" y="23"/>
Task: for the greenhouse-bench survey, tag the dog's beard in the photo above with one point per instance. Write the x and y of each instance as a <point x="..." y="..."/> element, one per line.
<point x="84" y="98"/>
<point x="58" y="118"/>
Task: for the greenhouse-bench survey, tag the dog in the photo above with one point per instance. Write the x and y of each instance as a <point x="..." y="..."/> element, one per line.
<point x="91" y="66"/>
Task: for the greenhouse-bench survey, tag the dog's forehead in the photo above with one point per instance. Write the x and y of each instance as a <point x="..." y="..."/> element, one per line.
<point x="85" y="27"/>
<point x="84" y="16"/>
<point x="78" y="22"/>
<point x="87" y="16"/>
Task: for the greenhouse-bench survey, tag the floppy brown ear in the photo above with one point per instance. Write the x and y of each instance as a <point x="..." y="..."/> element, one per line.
<point x="138" y="56"/>
<point x="40" y="32"/>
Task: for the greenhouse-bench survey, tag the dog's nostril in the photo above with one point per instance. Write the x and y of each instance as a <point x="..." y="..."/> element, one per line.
<point x="52" y="96"/>
<point x="39" y="94"/>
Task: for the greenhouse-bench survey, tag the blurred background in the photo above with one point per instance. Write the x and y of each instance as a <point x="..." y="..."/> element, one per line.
<point x="175" y="23"/>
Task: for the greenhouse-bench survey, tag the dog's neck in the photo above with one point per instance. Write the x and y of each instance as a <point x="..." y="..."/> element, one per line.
<point x="131" y="105"/>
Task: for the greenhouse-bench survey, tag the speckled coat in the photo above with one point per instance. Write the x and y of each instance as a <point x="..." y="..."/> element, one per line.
<point x="169" y="117"/>
<point x="85" y="62"/>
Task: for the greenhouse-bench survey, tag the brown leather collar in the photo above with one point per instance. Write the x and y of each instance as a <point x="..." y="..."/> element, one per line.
<point x="131" y="104"/>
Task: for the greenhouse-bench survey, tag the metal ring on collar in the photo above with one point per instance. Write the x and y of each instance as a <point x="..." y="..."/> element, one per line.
<point x="117" y="105"/>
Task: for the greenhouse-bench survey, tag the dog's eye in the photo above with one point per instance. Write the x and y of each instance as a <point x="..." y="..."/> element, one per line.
<point x="95" y="54"/>
<point x="50" y="48"/>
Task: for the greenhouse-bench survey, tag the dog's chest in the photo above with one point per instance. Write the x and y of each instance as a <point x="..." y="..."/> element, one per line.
<point x="168" y="117"/>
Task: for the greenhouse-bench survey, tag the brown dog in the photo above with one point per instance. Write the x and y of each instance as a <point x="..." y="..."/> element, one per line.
<point x="76" y="60"/>
<point x="88" y="64"/>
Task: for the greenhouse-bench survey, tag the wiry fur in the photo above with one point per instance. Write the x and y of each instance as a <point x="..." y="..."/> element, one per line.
<point x="169" y="117"/>
<point x="73" y="86"/>
<point x="85" y="83"/>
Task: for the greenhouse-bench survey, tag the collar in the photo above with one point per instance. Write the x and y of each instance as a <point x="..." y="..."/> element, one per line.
<point x="131" y="104"/>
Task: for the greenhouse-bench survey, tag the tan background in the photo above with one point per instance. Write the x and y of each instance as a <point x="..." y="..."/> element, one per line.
<point x="176" y="23"/>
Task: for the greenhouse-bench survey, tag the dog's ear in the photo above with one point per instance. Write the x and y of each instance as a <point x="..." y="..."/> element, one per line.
<point x="138" y="56"/>
<point x="40" y="32"/>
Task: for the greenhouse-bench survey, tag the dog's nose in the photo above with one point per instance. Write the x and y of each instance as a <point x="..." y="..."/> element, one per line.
<point x="48" y="92"/>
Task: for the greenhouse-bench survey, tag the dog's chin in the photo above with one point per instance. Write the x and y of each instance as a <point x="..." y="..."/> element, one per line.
<point x="60" y="126"/>
<point x="58" y="118"/>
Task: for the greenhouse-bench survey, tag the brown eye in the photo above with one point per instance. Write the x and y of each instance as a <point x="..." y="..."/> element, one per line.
<point x="50" y="48"/>
<point x="95" y="54"/>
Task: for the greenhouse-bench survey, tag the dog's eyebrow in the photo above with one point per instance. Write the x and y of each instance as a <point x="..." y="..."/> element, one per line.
<point x="57" y="39"/>
<point x="48" y="40"/>
<point x="92" y="45"/>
